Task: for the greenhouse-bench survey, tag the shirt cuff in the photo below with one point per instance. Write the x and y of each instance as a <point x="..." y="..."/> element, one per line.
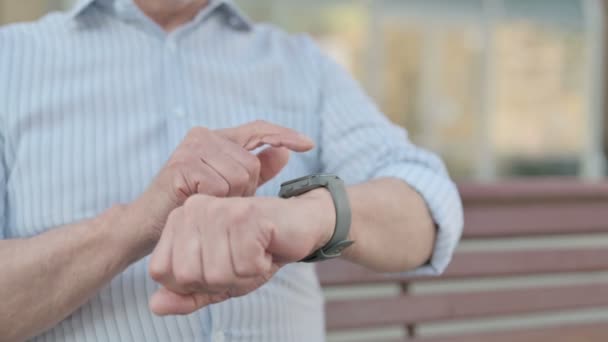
<point x="444" y="203"/>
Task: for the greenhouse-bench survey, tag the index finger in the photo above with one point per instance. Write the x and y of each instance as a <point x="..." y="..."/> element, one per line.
<point x="258" y="133"/>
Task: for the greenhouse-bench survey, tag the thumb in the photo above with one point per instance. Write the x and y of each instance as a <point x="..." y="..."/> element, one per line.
<point x="165" y="302"/>
<point x="272" y="161"/>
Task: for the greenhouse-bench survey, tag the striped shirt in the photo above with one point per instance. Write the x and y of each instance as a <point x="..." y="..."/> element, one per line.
<point x="93" y="102"/>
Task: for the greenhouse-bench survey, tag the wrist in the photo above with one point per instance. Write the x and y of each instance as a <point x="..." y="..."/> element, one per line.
<point x="144" y="220"/>
<point x="149" y="213"/>
<point x="125" y="229"/>
<point x="148" y="218"/>
<point x="320" y="214"/>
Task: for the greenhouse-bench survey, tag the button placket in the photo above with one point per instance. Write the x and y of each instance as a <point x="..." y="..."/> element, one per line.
<point x="171" y="45"/>
<point x="175" y="107"/>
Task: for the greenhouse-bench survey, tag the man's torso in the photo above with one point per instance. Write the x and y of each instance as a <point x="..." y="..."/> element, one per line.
<point x="90" y="111"/>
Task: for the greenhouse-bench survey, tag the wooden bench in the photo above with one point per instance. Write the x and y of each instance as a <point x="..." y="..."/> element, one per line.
<point x="530" y="209"/>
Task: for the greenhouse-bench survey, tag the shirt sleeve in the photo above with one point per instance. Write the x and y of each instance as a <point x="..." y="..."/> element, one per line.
<point x="3" y="190"/>
<point x="359" y="143"/>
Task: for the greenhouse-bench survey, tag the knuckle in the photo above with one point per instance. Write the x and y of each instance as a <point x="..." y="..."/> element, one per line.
<point x="241" y="178"/>
<point x="243" y="270"/>
<point x="252" y="163"/>
<point x="221" y="188"/>
<point x="261" y="265"/>
<point x="218" y="188"/>
<point x="216" y="278"/>
<point x="185" y="277"/>
<point x="251" y="267"/>
<point x="238" y="181"/>
<point x="157" y="271"/>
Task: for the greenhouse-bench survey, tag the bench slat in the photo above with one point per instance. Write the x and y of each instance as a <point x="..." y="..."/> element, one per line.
<point x="442" y="307"/>
<point x="595" y="332"/>
<point x="530" y="208"/>
<point x="478" y="264"/>
<point x="536" y="219"/>
<point x="533" y="190"/>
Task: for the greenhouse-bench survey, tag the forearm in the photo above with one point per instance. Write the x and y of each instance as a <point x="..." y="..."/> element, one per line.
<point x="391" y="225"/>
<point x="47" y="277"/>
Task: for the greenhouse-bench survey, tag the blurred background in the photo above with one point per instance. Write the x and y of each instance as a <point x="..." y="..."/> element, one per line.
<point x="501" y="89"/>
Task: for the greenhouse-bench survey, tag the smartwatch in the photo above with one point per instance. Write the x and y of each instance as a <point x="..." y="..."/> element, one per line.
<point x="339" y="240"/>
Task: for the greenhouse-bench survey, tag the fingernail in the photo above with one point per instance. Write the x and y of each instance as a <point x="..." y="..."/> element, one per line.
<point x="305" y="137"/>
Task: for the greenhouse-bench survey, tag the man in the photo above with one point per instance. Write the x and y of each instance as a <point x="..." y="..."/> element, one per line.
<point x="131" y="127"/>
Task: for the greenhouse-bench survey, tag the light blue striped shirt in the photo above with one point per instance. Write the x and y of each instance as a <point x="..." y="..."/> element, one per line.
<point x="93" y="102"/>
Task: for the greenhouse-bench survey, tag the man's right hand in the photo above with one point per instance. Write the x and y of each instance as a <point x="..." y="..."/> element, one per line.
<point x="219" y="163"/>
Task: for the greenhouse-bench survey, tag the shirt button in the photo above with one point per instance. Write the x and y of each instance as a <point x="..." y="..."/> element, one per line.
<point x="179" y="112"/>
<point x="172" y="46"/>
<point x="219" y="336"/>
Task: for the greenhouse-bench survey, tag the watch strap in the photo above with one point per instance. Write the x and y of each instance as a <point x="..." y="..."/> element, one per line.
<point x="339" y="240"/>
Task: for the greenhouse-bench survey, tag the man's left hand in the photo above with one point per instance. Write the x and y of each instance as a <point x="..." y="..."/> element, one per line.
<point x="214" y="248"/>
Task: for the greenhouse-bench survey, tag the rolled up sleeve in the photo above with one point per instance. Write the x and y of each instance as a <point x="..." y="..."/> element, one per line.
<point x="360" y="144"/>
